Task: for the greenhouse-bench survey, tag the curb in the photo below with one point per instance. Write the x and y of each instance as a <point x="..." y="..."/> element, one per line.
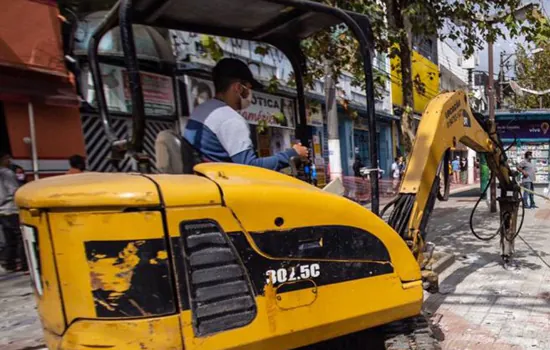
<point x="463" y="189"/>
<point x="443" y="262"/>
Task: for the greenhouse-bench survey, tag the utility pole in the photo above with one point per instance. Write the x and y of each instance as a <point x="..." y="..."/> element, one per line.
<point x="491" y="93"/>
<point x="501" y="79"/>
<point x="335" y="160"/>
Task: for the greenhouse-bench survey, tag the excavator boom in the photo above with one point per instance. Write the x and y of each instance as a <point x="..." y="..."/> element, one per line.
<point x="446" y="121"/>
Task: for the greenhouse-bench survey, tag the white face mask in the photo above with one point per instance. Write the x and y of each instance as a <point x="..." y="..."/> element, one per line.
<point x="246" y="102"/>
<point x="20" y="177"/>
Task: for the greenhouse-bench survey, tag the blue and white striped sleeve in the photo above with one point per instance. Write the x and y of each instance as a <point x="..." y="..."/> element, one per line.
<point x="234" y="135"/>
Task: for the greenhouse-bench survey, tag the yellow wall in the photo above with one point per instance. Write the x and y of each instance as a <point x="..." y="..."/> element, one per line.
<point x="425" y="73"/>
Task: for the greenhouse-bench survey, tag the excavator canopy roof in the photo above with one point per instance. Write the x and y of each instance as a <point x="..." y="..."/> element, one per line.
<point x="247" y="19"/>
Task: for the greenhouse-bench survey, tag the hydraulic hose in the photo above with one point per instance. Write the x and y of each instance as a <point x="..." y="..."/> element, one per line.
<point x="477" y="235"/>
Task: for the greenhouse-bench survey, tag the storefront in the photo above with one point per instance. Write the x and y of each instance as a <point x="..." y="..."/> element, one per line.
<point x="271" y="118"/>
<point x="315" y="122"/>
<point x="523" y="132"/>
<point x="156" y="69"/>
<point x="386" y="143"/>
<point x="39" y="117"/>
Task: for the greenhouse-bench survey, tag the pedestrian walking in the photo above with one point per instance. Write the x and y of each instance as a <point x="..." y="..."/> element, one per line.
<point x="357" y="165"/>
<point x="77" y="164"/>
<point x="456" y="169"/>
<point x="396" y="169"/>
<point x="464" y="170"/>
<point x="9" y="217"/>
<point x="528" y="170"/>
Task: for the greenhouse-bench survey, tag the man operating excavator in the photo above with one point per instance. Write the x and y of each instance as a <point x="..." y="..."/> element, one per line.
<point x="219" y="133"/>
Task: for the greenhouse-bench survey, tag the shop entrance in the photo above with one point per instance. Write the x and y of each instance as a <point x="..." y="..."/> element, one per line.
<point x="4" y="136"/>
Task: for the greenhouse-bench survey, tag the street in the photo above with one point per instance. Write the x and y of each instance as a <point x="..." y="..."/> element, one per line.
<point x="480" y="305"/>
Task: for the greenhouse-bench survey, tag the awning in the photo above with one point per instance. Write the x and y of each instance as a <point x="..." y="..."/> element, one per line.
<point x="28" y="85"/>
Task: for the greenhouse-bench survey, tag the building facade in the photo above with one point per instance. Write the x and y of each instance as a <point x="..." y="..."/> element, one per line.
<point x="158" y="81"/>
<point x="38" y="102"/>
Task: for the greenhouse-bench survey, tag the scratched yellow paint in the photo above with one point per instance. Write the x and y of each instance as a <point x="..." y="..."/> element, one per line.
<point x="114" y="275"/>
<point x="298" y="318"/>
<point x="80" y="276"/>
<point x="303" y="315"/>
<point x="339" y="309"/>
<point x="278" y="195"/>
<point x="49" y="304"/>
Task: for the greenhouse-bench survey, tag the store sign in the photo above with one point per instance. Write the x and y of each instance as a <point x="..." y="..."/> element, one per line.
<point x="264" y="107"/>
<point x="361" y="123"/>
<point x="314" y="115"/>
<point x="524" y="129"/>
<point x="158" y="91"/>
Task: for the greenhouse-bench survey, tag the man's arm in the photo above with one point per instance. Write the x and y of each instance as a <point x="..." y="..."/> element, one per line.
<point x="234" y="135"/>
<point x="276" y="162"/>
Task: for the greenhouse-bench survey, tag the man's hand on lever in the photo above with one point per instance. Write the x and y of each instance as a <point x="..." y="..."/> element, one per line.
<point x="301" y="150"/>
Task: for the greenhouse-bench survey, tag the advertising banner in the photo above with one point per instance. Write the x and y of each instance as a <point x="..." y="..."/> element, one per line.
<point x="158" y="91"/>
<point x="524" y="129"/>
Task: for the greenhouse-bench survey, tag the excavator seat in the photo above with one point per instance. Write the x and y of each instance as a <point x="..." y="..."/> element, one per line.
<point x="190" y="156"/>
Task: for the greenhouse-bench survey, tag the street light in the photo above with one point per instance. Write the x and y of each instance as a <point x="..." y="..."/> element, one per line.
<point x="519" y="14"/>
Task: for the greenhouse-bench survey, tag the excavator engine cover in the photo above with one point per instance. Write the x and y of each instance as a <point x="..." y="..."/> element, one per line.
<point x="233" y="257"/>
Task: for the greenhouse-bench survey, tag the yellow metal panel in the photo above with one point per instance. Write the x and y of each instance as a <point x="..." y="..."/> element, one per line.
<point x="49" y="303"/>
<point x="154" y="334"/>
<point x="309" y="315"/>
<point x="187" y="190"/>
<point x="425" y="76"/>
<point x="88" y="190"/>
<point x="300" y="205"/>
<point x="338" y="309"/>
<point x="71" y="230"/>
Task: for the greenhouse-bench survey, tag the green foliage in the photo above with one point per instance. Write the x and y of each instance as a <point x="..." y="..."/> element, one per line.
<point x="532" y="73"/>
<point x="279" y="117"/>
<point x="211" y="47"/>
<point x="273" y="84"/>
<point x="262" y="126"/>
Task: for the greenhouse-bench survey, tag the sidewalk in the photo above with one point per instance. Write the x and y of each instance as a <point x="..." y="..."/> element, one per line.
<point x="20" y="327"/>
<point x="455" y="189"/>
<point x="481" y="305"/>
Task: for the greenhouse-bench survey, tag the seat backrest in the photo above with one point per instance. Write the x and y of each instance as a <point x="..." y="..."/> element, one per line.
<point x="190" y="156"/>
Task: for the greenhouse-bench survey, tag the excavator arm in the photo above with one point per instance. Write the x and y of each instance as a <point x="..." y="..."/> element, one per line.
<point x="446" y="121"/>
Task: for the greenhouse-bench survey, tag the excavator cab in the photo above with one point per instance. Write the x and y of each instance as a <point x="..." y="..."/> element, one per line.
<point x="231" y="256"/>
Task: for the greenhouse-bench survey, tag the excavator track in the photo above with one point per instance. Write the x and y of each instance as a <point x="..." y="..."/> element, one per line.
<point x="414" y="333"/>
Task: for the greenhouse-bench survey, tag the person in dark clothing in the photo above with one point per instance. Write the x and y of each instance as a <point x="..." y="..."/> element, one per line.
<point x="77" y="164"/>
<point x="19" y="174"/>
<point x="9" y="216"/>
<point x="528" y="169"/>
<point x="357" y="165"/>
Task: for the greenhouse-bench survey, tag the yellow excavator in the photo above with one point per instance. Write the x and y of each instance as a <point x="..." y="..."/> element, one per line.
<point x="232" y="256"/>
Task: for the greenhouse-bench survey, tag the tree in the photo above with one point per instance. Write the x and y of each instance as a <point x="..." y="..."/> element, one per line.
<point x="395" y="24"/>
<point x="532" y="73"/>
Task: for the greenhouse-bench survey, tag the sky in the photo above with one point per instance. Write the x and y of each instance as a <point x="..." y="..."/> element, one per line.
<point x="503" y="45"/>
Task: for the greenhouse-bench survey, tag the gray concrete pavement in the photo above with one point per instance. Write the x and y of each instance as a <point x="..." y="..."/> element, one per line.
<point x="481" y="305"/>
<point x="19" y="324"/>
